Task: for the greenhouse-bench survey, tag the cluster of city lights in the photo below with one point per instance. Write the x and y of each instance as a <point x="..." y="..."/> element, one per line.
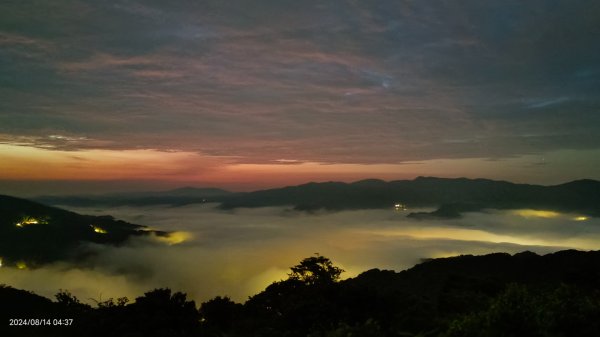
<point x="400" y="207"/>
<point x="29" y="220"/>
<point x="99" y="230"/>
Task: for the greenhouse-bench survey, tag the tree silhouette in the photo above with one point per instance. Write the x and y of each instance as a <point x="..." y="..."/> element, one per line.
<point x="70" y="303"/>
<point x="163" y="313"/>
<point x="497" y="295"/>
<point x="219" y="314"/>
<point x="316" y="270"/>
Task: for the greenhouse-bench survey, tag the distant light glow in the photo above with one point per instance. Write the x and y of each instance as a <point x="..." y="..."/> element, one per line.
<point x="533" y="213"/>
<point x="400" y="207"/>
<point x="462" y="234"/>
<point x="174" y="238"/>
<point x="580" y="218"/>
<point x="99" y="230"/>
<point x="21" y="265"/>
<point x="29" y="220"/>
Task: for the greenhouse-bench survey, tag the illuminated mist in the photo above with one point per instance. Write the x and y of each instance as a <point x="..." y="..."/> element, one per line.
<point x="238" y="253"/>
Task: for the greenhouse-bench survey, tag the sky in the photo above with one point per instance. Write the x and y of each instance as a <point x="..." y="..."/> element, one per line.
<point x="238" y="253"/>
<point x="108" y="95"/>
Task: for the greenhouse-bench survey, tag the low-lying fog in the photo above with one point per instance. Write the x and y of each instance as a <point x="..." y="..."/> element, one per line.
<point x="238" y="253"/>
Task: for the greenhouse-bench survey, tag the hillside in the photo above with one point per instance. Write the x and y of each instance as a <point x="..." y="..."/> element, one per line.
<point x="33" y="234"/>
<point x="492" y="295"/>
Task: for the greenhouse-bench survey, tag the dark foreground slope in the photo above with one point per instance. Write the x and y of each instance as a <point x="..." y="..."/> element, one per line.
<point x="33" y="234"/>
<point x="493" y="295"/>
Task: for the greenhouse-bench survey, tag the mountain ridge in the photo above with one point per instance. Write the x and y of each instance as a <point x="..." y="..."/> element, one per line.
<point x="463" y="194"/>
<point x="459" y="194"/>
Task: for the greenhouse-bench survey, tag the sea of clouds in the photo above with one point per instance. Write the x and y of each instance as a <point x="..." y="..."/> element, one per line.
<point x="239" y="252"/>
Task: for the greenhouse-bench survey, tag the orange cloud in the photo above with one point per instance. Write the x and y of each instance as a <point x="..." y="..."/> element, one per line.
<point x="24" y="162"/>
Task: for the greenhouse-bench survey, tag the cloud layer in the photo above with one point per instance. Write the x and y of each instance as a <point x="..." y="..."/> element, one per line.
<point x="337" y="82"/>
<point x="238" y="253"/>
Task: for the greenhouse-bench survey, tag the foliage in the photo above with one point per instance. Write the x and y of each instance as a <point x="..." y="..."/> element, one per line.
<point x="219" y="315"/>
<point x="522" y="311"/>
<point x="69" y="303"/>
<point x="64" y="297"/>
<point x="110" y="303"/>
<point x="498" y="295"/>
<point x="316" y="270"/>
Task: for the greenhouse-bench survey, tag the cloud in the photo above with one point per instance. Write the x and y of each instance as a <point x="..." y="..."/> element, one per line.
<point x="548" y="102"/>
<point x="239" y="252"/>
<point x="338" y="82"/>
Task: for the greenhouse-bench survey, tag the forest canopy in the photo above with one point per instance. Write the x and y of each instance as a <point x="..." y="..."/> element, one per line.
<point x="492" y="295"/>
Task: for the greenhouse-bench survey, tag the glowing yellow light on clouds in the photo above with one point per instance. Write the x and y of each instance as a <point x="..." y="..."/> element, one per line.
<point x="456" y="234"/>
<point x="99" y="230"/>
<point x="21" y="265"/>
<point x="533" y="213"/>
<point x="462" y="234"/>
<point x="580" y="218"/>
<point x="174" y="238"/>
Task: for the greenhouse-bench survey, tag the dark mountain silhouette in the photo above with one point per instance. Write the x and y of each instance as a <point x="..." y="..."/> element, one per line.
<point x="452" y="196"/>
<point x="33" y="234"/>
<point x="23" y="303"/>
<point x="424" y="299"/>
<point x="492" y="295"/>
<point x="179" y="196"/>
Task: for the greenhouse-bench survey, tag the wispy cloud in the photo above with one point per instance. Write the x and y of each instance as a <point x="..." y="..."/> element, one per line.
<point x="343" y="82"/>
<point x="548" y="102"/>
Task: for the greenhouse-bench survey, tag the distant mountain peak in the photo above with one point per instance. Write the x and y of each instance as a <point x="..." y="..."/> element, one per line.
<point x="370" y="182"/>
